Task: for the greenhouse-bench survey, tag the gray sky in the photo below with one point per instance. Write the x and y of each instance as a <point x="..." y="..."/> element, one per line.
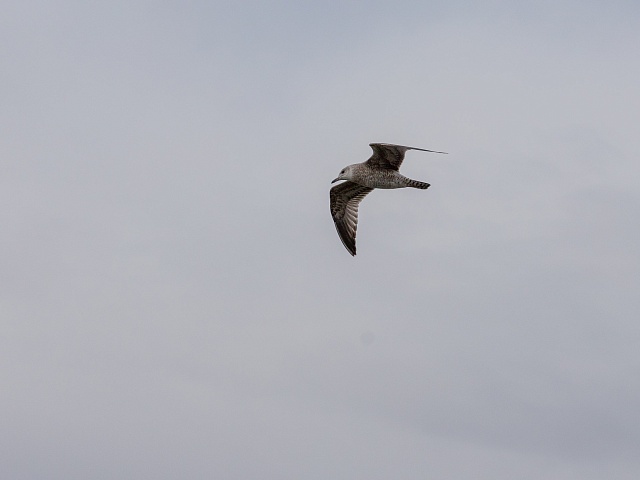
<point x="175" y="301"/>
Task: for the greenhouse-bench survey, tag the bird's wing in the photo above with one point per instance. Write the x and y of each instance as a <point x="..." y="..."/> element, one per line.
<point x="386" y="155"/>
<point x="344" y="200"/>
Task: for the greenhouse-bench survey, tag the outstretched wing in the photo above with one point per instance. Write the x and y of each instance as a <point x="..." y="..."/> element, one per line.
<point x="386" y="155"/>
<point x="344" y="200"/>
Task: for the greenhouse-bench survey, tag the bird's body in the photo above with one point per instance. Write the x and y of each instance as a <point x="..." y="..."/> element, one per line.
<point x="364" y="175"/>
<point x="380" y="171"/>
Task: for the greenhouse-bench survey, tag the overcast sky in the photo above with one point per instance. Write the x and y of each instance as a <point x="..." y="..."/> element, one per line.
<point x="175" y="302"/>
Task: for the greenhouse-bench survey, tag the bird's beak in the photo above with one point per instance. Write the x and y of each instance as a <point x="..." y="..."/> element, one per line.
<point x="335" y="180"/>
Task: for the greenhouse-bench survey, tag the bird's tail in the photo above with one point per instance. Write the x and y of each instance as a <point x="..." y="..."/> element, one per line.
<point x="417" y="184"/>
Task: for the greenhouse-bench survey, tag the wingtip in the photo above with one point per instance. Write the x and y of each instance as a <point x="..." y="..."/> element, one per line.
<point x="425" y="150"/>
<point x="350" y="248"/>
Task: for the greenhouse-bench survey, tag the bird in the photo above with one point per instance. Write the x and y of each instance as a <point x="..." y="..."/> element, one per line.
<point x="381" y="170"/>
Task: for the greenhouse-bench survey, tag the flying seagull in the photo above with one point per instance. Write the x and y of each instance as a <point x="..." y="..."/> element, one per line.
<point x="380" y="171"/>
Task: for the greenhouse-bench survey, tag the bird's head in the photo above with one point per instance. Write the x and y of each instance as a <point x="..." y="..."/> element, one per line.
<point x="345" y="174"/>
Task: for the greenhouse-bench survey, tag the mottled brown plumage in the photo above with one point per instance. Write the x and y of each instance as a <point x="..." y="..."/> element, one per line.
<point x="344" y="200"/>
<point x="379" y="171"/>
